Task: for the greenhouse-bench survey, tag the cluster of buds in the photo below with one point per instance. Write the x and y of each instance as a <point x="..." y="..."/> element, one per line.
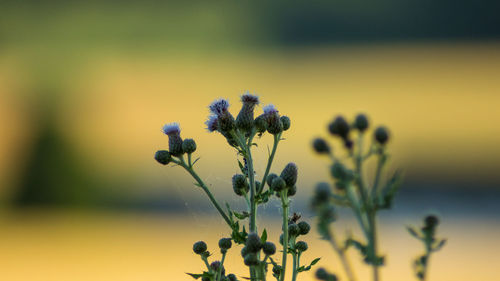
<point x="253" y="246"/>
<point x="215" y="270"/>
<point x="176" y="146"/>
<point x="294" y="231"/>
<point x="285" y="181"/>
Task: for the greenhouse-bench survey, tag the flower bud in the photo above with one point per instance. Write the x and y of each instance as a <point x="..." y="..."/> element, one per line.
<point x="348" y="143"/>
<point x="231" y="277"/>
<point x="205" y="278"/>
<point x="276" y="270"/>
<point x="281" y="239"/>
<point x="285" y="121"/>
<point x="260" y="123"/>
<point x="321" y="146"/>
<point x="244" y="120"/>
<point x="163" y="157"/>
<point x="338" y="170"/>
<point x="199" y="247"/>
<point x="304" y="228"/>
<point x="274" y="125"/>
<point x="301" y="246"/>
<point x="244" y="251"/>
<point x="293" y="229"/>
<point x="173" y="131"/>
<point x="269" y="248"/>
<point x="292" y="190"/>
<point x="339" y="127"/>
<point x="289" y="174"/>
<point x="212" y="123"/>
<point x="240" y="185"/>
<point x="381" y="135"/>
<point x="225" y="121"/>
<point x="225" y="243"/>
<point x="270" y="179"/>
<point x="253" y="243"/>
<point x="189" y="146"/>
<point x="215" y="267"/>
<point x="322" y="274"/>
<point x="322" y="193"/>
<point x="251" y="259"/>
<point x="431" y="221"/>
<point x="361" y="122"/>
<point x="278" y="184"/>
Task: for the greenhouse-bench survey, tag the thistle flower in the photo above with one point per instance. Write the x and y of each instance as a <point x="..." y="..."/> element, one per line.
<point x="244" y="120"/>
<point x="173" y="131"/>
<point x="361" y="122"/>
<point x="212" y="123"/>
<point x="381" y="135"/>
<point x="291" y="191"/>
<point x="251" y="259"/>
<point x="285" y="120"/>
<point x="289" y="174"/>
<point x="189" y="146"/>
<point x="163" y="157"/>
<point x="293" y="230"/>
<point x="269" y="248"/>
<point x="270" y="179"/>
<point x="253" y="243"/>
<point x="274" y="125"/>
<point x="225" y="244"/>
<point x="240" y="184"/>
<point x="260" y="123"/>
<point x="321" y="146"/>
<point x="304" y="228"/>
<point x="339" y="127"/>
<point x="278" y="184"/>
<point x="225" y="121"/>
<point x="301" y="246"/>
<point x="215" y="267"/>
<point x="199" y="247"/>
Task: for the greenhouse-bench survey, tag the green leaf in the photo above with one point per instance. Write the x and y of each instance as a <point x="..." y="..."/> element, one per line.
<point x="386" y="197"/>
<point x="307" y="268"/>
<point x="439" y="245"/>
<point x="263" y="237"/>
<point x="242" y="167"/>
<point x="241" y="216"/>
<point x="195" y="276"/>
<point x="413" y="232"/>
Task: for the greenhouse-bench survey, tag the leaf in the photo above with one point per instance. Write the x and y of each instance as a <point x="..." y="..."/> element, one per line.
<point x="242" y="167"/>
<point x="194" y="162"/>
<point x="204" y="274"/>
<point x="241" y="216"/>
<point x="439" y="245"/>
<point x="307" y="268"/>
<point x="413" y="232"/>
<point x="386" y="197"/>
<point x="195" y="276"/>
<point x="263" y="237"/>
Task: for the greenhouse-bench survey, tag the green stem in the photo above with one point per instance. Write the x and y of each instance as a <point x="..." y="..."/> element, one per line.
<point x="284" y="204"/>
<point x="374" y="246"/>
<point x="219" y="270"/>
<point x="201" y="184"/>
<point x="294" y="270"/>
<point x="342" y="257"/>
<point x="270" y="161"/>
<point x="378" y="174"/>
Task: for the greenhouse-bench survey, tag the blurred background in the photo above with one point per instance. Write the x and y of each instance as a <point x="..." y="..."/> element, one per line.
<point x="85" y="87"/>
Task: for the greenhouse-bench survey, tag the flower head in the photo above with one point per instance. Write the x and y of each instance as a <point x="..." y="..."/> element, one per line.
<point x="245" y="120"/>
<point x="274" y="124"/>
<point x="219" y="106"/>
<point x="249" y="99"/>
<point x="212" y="123"/>
<point x="172" y="129"/>
<point x="270" y="109"/>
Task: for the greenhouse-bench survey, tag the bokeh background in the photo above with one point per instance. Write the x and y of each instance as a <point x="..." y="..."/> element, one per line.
<point x="85" y="88"/>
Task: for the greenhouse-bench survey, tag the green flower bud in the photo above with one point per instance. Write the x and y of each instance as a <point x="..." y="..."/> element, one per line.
<point x="339" y="127"/>
<point x="244" y="251"/>
<point x="292" y="190"/>
<point x="269" y="248"/>
<point x="338" y="170"/>
<point x="289" y="174"/>
<point x="199" y="247"/>
<point x="240" y="184"/>
<point x="189" y="146"/>
<point x="270" y="179"/>
<point x="321" y="146"/>
<point x="431" y="221"/>
<point x="322" y="274"/>
<point x="381" y="135"/>
<point x="231" y="277"/>
<point x="281" y="239"/>
<point x="285" y="121"/>
<point x="205" y="278"/>
<point x="173" y="131"/>
<point x="163" y="157"/>
<point x="244" y="120"/>
<point x="301" y="246"/>
<point x="225" y="243"/>
<point x="253" y="243"/>
<point x="304" y="227"/>
<point x="251" y="259"/>
<point x="361" y="122"/>
<point x="215" y="267"/>
<point x="274" y="125"/>
<point x="293" y="230"/>
<point x="278" y="184"/>
<point x="276" y="270"/>
<point x="322" y="193"/>
<point x="261" y="123"/>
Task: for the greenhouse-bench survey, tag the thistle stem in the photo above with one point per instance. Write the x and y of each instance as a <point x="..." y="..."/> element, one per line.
<point x="284" y="204"/>
<point x="277" y="138"/>
<point x="374" y="246"/>
<point x="203" y="186"/>
<point x="219" y="270"/>
<point x="294" y="271"/>
<point x="342" y="257"/>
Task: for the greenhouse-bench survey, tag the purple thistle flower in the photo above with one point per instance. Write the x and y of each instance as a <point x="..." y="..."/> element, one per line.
<point x="249" y="99"/>
<point x="212" y="123"/>
<point x="270" y="109"/>
<point x="219" y="106"/>
<point x="172" y="129"/>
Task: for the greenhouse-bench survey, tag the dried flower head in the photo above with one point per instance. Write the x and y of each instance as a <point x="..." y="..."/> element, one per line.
<point x="225" y="121"/>
<point x="244" y="120"/>
<point x="173" y="131"/>
<point x="219" y="106"/>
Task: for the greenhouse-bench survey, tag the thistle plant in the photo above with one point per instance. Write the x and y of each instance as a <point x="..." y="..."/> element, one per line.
<point x="241" y="134"/>
<point x="351" y="189"/>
